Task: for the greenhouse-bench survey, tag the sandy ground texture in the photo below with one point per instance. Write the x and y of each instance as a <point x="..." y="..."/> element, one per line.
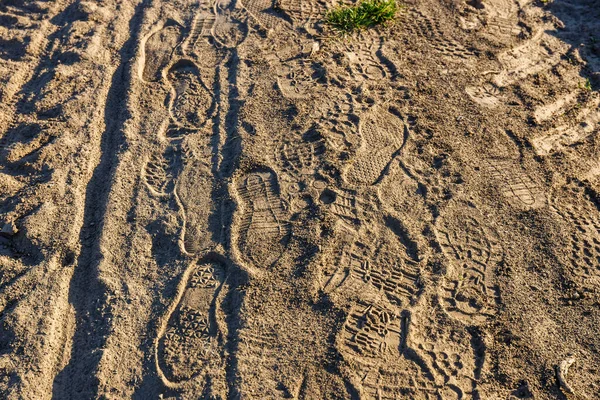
<point x="223" y="200"/>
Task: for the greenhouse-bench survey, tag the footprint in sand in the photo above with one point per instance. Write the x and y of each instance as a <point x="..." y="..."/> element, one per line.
<point x="468" y="293"/>
<point x="570" y="133"/>
<point x="502" y="20"/>
<point x="538" y="54"/>
<point x="264" y="12"/>
<point x="194" y="193"/>
<point x="189" y="179"/>
<point x="429" y="29"/>
<point x="581" y="215"/>
<point x="202" y="27"/>
<point x="486" y="95"/>
<point x="191" y="103"/>
<point x="454" y="354"/>
<point x="298" y="79"/>
<point x="383" y="135"/>
<point x="370" y="266"/>
<point x="157" y="173"/>
<point x="230" y="27"/>
<point x="515" y="184"/>
<point x="383" y="363"/>
<point x="303" y="13"/>
<point x="189" y="341"/>
<point x="299" y="156"/>
<point x="343" y="204"/>
<point x="158" y="48"/>
<point x="362" y="61"/>
<point x="262" y="230"/>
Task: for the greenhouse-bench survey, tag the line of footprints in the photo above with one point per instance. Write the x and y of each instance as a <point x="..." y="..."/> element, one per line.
<point x="190" y="340"/>
<point x="376" y="333"/>
<point x="391" y="348"/>
<point x="384" y="343"/>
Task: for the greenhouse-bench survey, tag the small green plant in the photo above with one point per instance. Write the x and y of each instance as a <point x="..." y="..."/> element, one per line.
<point x="587" y="85"/>
<point x="365" y="14"/>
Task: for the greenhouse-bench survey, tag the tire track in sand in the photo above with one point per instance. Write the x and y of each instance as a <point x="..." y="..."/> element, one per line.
<point x="87" y="293"/>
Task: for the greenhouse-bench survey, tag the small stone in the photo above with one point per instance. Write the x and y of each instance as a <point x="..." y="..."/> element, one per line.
<point x="315" y="48"/>
<point x="9" y="229"/>
<point x="576" y="296"/>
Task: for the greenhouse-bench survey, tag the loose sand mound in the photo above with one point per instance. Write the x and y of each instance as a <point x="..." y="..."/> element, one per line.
<point x="226" y="201"/>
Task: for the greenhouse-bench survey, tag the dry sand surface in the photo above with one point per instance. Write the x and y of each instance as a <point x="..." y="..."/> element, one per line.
<point x="225" y="200"/>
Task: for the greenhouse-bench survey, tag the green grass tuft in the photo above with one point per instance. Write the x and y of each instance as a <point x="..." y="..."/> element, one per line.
<point x="365" y="14"/>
